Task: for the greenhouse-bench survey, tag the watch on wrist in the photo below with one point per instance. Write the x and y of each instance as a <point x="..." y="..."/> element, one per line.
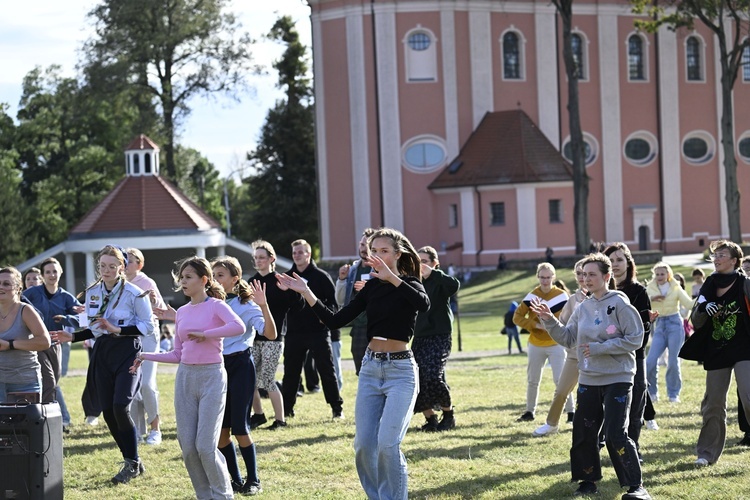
<point x="11" y="347"/>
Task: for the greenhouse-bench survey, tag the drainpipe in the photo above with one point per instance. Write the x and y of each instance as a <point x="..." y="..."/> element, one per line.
<point x="377" y="110"/>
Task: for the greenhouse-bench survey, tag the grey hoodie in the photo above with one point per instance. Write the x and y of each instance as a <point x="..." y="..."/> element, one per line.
<point x="612" y="328"/>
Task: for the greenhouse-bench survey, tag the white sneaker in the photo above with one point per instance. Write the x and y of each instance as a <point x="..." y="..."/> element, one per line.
<point x="544" y="430"/>
<point x="652" y="425"/>
<point x="154" y="437"/>
<point x="701" y="462"/>
<point x="675" y="399"/>
<point x="92" y="421"/>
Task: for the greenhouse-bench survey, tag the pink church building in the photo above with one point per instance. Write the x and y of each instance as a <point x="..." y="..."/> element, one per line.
<point x="448" y="121"/>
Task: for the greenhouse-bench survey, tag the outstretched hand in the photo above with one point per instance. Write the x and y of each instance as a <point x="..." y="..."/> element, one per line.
<point x="294" y="282"/>
<point x="380" y="270"/>
<point x="541" y="309"/>
<point x="168" y="314"/>
<point x="259" y="292"/>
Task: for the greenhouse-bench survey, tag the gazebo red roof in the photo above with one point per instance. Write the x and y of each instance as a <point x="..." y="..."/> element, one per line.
<point x="141" y="142"/>
<point x="144" y="203"/>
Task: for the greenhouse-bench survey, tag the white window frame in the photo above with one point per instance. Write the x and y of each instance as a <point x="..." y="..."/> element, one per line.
<point x="584" y="54"/>
<point x="650" y="139"/>
<point x="430" y="53"/>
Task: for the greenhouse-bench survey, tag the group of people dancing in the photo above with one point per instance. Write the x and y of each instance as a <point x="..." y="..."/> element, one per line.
<point x="605" y="327"/>
<point x="393" y="295"/>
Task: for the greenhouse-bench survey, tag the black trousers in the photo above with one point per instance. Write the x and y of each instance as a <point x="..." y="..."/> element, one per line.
<point x="295" y="350"/>
<point x="606" y="408"/>
<point x="240" y="369"/>
<point x="359" y="345"/>
<point x="638" y="404"/>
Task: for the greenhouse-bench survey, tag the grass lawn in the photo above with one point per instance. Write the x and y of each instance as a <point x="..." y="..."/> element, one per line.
<point x="489" y="455"/>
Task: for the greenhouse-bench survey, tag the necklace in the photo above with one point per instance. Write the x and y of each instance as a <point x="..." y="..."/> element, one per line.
<point x="3" y="317"/>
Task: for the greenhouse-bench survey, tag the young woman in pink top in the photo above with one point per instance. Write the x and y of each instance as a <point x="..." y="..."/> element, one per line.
<point x="201" y="381"/>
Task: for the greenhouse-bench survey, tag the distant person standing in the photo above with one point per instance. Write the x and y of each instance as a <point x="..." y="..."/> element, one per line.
<point x="666" y="297"/>
<point x="305" y="332"/>
<point x="698" y="278"/>
<point x="352" y="279"/>
<point x="58" y="308"/>
<point x="147" y="400"/>
<point x="541" y="347"/>
<point x="266" y="352"/>
<point x="511" y="330"/>
<point x="433" y="339"/>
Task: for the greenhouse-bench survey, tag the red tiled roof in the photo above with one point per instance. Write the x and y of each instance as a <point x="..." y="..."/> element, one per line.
<point x="141" y="142"/>
<point x="144" y="203"/>
<point x="506" y="148"/>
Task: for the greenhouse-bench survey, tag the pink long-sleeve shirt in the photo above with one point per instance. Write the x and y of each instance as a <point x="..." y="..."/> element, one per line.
<point x="215" y="319"/>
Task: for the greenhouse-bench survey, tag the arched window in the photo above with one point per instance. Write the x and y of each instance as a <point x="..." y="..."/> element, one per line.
<point x="420" y="55"/>
<point x="577" y="43"/>
<point x="512" y="56"/>
<point x="636" y="60"/>
<point x="693" y="61"/>
<point x="147" y="163"/>
<point x="136" y="165"/>
<point x="746" y="65"/>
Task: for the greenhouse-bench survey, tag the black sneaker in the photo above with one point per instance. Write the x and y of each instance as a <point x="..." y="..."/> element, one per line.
<point x="314" y="390"/>
<point x="745" y="441"/>
<point x="275" y="425"/>
<point x="526" y="417"/>
<point x="431" y="425"/>
<point x="637" y="493"/>
<point x="338" y="414"/>
<point x="236" y="487"/>
<point x="571" y="416"/>
<point x="130" y="469"/>
<point x="288" y="413"/>
<point x="257" y="420"/>
<point x="447" y="422"/>
<point x="586" y="488"/>
<point x="250" y="489"/>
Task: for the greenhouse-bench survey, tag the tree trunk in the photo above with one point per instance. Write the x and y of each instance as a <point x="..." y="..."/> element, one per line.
<point x="577" y="146"/>
<point x="732" y="196"/>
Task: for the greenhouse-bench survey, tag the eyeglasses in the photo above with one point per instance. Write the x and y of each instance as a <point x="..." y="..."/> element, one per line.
<point x="715" y="256"/>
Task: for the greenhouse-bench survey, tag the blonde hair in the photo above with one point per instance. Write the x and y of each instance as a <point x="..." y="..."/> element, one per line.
<point x="545" y="265"/>
<point x="264" y="245"/>
<point x="15" y="277"/>
<point x="665" y="266"/>
<point x="111" y="251"/>
<point x="137" y="254"/>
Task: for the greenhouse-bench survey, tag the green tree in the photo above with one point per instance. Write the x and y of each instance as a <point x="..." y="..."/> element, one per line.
<point x="171" y="50"/>
<point x="728" y="21"/>
<point x="577" y="144"/>
<point x="199" y="180"/>
<point x="69" y="142"/>
<point x="280" y="201"/>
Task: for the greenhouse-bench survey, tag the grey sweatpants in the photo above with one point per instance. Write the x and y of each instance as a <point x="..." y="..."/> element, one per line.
<point x="199" y="399"/>
<point x="714" y="408"/>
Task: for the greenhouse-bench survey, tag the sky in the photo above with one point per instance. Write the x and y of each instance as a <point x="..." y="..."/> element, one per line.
<point x="45" y="32"/>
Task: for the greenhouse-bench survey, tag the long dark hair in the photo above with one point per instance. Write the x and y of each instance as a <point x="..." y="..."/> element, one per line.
<point x="631" y="271"/>
<point x="241" y="288"/>
<point x="409" y="262"/>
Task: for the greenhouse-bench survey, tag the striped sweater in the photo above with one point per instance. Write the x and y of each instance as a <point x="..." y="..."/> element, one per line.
<point x="525" y="318"/>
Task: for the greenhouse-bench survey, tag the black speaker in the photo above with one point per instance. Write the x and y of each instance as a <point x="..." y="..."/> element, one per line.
<point x="31" y="452"/>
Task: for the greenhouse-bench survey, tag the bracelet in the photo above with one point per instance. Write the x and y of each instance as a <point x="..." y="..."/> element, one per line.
<point x="11" y="347"/>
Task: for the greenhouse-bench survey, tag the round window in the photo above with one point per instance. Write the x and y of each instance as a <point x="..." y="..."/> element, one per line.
<point x="423" y="155"/>
<point x="744" y="148"/>
<point x="419" y="41"/>
<point x="640" y="148"/>
<point x="698" y="147"/>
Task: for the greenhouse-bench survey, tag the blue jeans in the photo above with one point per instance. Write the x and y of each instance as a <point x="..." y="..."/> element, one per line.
<point x="386" y="394"/>
<point x="669" y="332"/>
<point x="336" y="351"/>
<point x="6" y="387"/>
